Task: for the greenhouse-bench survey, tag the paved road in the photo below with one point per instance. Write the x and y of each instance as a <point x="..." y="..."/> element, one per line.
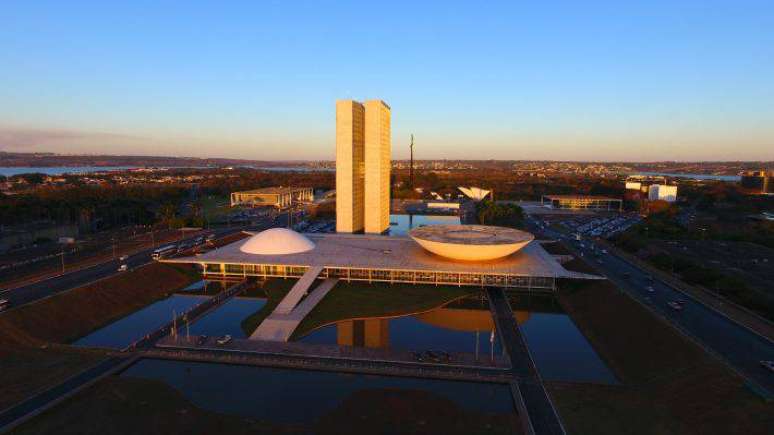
<point x="542" y="415"/>
<point x="48" y="398"/>
<point x="738" y="346"/>
<point x="41" y="289"/>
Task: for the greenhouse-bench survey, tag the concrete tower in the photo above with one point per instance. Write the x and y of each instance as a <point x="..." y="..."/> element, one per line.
<point x="362" y="166"/>
<point x="377" y="166"/>
<point x="350" y="166"/>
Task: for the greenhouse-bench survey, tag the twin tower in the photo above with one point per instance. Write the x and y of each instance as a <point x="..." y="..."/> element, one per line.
<point x="362" y="166"/>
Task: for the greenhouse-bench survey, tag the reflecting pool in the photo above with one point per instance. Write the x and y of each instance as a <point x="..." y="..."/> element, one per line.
<point x="329" y="401"/>
<point x="558" y="347"/>
<point x="125" y="331"/>
<point x="207" y="287"/>
<point x="228" y="318"/>
<point x="464" y="326"/>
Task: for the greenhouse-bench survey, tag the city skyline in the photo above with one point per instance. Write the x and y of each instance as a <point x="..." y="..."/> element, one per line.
<point x="662" y="81"/>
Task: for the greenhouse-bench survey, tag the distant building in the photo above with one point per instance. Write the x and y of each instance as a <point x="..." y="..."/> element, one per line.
<point x="363" y="146"/>
<point x="280" y="197"/>
<point x="758" y="181"/>
<point x="633" y="185"/>
<point x="587" y="202"/>
<point x="475" y="193"/>
<point x="662" y="192"/>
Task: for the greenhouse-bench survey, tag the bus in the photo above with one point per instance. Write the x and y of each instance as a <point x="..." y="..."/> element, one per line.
<point x="163" y="252"/>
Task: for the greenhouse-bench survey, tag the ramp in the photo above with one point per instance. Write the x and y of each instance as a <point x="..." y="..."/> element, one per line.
<point x="298" y="291"/>
<point x="279" y="326"/>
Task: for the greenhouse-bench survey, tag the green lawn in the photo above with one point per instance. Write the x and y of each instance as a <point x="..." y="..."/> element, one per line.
<point x="275" y="289"/>
<point x="358" y="300"/>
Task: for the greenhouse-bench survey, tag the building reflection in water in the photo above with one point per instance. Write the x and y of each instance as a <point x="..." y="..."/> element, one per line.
<point x="375" y="332"/>
<point x="363" y="333"/>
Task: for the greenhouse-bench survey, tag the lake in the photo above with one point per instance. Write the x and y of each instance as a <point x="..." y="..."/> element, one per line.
<point x="10" y="171"/>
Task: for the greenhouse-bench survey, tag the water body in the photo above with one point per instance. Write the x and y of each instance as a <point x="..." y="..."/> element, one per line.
<point x="705" y="177"/>
<point x="560" y="350"/>
<point x="290" y="169"/>
<point x="330" y="399"/>
<point x="400" y="224"/>
<point x="462" y="326"/>
<point x="59" y="170"/>
<point x="125" y="331"/>
<point x="206" y="287"/>
<point x="227" y="319"/>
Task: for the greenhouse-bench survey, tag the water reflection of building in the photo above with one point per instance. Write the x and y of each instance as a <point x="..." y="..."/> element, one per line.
<point x="363" y="333"/>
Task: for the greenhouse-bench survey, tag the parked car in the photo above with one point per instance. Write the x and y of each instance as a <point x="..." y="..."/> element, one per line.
<point x="226" y="339"/>
<point x="201" y="340"/>
<point x="123" y="258"/>
<point x="675" y="306"/>
<point x="650" y="289"/>
<point x="768" y="365"/>
<point x="123" y="268"/>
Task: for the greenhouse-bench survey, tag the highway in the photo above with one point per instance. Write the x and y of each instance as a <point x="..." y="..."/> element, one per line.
<point x="733" y="343"/>
<point x="70" y="280"/>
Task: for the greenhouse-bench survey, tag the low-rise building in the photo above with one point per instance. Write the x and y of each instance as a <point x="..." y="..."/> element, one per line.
<point x="582" y="202"/>
<point x="662" y="192"/>
<point x="280" y="197"/>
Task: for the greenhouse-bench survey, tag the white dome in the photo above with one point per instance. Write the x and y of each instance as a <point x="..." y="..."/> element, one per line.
<point x="277" y="241"/>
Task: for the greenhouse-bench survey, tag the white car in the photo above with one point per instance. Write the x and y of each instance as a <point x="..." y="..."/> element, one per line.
<point x="650" y="289"/>
<point x="123" y="268"/>
<point x="224" y="340"/>
<point x="768" y="365"/>
<point x="123" y="258"/>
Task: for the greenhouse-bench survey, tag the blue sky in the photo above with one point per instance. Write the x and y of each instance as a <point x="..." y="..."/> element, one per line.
<point x="656" y="80"/>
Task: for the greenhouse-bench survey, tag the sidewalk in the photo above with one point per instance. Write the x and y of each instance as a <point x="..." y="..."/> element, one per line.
<point x="739" y="314"/>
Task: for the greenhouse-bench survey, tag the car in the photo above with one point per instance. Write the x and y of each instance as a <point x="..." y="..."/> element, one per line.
<point x="768" y="365"/>
<point x="4" y="304"/>
<point x="226" y="339"/>
<point x="123" y="268"/>
<point x="650" y="289"/>
<point x="675" y="306"/>
<point x="123" y="258"/>
<point x="417" y="356"/>
<point x="201" y="340"/>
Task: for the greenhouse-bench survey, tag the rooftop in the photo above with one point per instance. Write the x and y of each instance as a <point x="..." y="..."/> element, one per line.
<point x="388" y="253"/>
<point x="272" y="190"/>
<point x="581" y="197"/>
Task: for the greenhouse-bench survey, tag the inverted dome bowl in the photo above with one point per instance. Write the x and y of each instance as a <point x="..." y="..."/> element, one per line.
<point x="470" y="242"/>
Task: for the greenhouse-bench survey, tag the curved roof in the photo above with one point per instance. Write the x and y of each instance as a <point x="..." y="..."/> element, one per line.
<point x="474" y="193"/>
<point x="470" y="242"/>
<point x="277" y="241"/>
